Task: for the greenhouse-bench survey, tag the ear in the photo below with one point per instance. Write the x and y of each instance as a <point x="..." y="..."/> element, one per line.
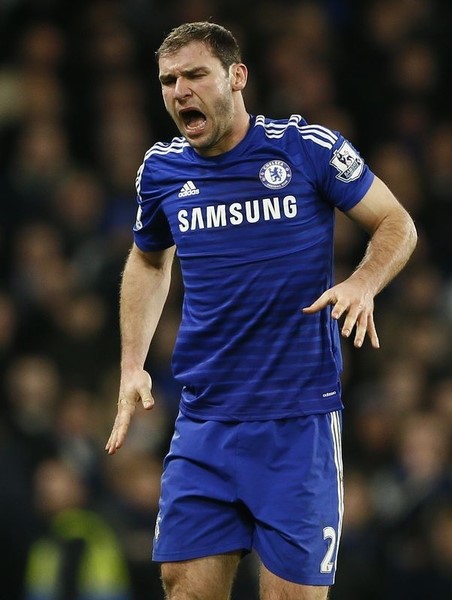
<point x="238" y="74"/>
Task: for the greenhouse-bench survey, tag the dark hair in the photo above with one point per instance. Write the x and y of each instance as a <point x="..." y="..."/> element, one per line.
<point x="221" y="42"/>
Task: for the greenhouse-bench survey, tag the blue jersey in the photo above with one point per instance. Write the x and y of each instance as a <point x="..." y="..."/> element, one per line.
<point x="254" y="232"/>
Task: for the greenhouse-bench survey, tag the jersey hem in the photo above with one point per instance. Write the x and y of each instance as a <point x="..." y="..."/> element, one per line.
<point x="268" y="416"/>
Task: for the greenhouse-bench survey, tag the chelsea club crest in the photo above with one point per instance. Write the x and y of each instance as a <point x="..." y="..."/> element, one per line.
<point x="275" y="174"/>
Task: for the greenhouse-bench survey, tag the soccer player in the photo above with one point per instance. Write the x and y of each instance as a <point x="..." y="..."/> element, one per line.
<point x="249" y="202"/>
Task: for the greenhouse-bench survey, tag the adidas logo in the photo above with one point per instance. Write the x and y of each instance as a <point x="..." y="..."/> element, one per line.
<point x="188" y="189"/>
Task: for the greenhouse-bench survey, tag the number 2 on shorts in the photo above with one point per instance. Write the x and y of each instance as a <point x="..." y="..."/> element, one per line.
<point x="326" y="566"/>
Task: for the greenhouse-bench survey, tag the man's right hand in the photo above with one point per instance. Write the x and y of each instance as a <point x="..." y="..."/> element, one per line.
<point x="132" y="389"/>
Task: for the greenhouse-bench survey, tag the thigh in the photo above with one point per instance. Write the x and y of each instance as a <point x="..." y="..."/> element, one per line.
<point x="200" y="579"/>
<point x="294" y="491"/>
<point x="273" y="587"/>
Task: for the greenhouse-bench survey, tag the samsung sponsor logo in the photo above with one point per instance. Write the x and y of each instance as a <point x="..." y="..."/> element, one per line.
<point x="251" y="211"/>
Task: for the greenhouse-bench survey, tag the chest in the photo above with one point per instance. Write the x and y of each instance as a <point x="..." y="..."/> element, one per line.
<point x="259" y="206"/>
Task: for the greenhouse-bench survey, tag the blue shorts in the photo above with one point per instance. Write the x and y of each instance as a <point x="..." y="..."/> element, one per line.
<point x="271" y="486"/>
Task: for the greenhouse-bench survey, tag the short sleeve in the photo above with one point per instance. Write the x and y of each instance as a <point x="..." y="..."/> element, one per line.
<point x="151" y="230"/>
<point x="342" y="176"/>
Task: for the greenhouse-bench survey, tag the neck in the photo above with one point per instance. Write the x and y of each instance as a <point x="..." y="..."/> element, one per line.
<point x="241" y="126"/>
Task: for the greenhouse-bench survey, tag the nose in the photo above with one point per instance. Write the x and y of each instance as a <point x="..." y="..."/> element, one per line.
<point x="181" y="88"/>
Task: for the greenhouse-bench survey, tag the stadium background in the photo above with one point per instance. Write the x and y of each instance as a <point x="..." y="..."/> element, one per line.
<point x="79" y="105"/>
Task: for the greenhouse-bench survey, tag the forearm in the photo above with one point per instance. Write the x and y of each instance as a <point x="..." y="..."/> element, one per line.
<point x="392" y="233"/>
<point x="388" y="250"/>
<point x="144" y="290"/>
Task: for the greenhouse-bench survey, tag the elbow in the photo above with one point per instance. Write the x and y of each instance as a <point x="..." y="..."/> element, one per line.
<point x="412" y="237"/>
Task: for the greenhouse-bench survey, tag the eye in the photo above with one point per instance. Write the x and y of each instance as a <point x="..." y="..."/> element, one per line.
<point x="167" y="81"/>
<point x="197" y="75"/>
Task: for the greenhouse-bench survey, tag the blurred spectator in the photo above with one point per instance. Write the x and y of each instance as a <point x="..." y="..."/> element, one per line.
<point x="78" y="435"/>
<point x="41" y="281"/>
<point x="438" y="574"/>
<point x="76" y="555"/>
<point x="405" y="494"/>
<point x="394" y="163"/>
<point x="30" y="391"/>
<point x="131" y="504"/>
<point x="8" y="331"/>
<point x="441" y="395"/>
<point x="438" y="164"/>
<point x="40" y="161"/>
<point x="358" y="576"/>
<point x="33" y="386"/>
<point x="80" y="331"/>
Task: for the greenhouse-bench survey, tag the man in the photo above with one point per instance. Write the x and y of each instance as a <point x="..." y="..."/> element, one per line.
<point x="255" y="461"/>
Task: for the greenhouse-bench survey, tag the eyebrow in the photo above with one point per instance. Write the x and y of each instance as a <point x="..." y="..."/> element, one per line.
<point x="167" y="77"/>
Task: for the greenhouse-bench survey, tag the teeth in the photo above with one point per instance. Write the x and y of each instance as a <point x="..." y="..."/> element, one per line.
<point x="196" y="124"/>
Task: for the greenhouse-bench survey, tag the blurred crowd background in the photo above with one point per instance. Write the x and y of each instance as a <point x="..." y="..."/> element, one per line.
<point x="79" y="106"/>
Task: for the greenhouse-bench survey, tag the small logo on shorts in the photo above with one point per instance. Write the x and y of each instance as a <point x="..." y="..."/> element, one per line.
<point x="138" y="223"/>
<point x="275" y="174"/>
<point x="157" y="527"/>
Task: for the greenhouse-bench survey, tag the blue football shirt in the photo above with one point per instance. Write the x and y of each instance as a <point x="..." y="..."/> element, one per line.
<point x="254" y="231"/>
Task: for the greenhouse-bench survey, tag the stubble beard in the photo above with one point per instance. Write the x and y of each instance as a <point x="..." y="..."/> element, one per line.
<point x="223" y="111"/>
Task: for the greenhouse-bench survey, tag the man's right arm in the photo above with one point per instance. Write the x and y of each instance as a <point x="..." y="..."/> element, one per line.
<point x="144" y="289"/>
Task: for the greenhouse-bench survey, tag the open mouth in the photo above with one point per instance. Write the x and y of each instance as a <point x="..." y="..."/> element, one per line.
<point x="194" y="120"/>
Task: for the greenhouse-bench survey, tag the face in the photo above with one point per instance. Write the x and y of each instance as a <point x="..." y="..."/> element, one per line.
<point x="201" y="97"/>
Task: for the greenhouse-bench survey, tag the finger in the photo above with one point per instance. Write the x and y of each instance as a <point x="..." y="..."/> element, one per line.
<point x="361" y="329"/>
<point x="366" y="327"/>
<point x="372" y="332"/>
<point x="339" y="309"/>
<point x="116" y="439"/>
<point x="120" y="426"/>
<point x="111" y="445"/>
<point x="144" y="391"/>
<point x="351" y="320"/>
<point x="147" y="399"/>
<point x="322" y="302"/>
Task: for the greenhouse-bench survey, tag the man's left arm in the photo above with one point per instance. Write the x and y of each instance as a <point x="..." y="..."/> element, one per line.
<point x="393" y="239"/>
